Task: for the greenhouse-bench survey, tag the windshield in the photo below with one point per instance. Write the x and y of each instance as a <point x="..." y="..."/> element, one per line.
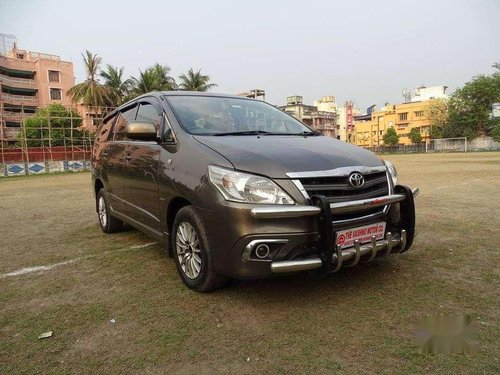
<point x="210" y="115"/>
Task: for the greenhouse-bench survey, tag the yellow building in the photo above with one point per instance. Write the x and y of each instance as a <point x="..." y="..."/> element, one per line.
<point x="370" y="130"/>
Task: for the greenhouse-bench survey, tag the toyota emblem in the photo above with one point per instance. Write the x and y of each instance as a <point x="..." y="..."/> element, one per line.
<point x="356" y="179"/>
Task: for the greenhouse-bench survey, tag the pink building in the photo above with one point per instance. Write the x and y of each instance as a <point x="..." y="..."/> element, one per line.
<point x="30" y="80"/>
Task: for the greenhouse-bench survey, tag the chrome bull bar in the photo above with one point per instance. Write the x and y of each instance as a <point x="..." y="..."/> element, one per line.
<point x="346" y="257"/>
<point x="293" y="211"/>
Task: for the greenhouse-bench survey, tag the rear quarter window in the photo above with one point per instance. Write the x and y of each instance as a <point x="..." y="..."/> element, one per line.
<point x="105" y="130"/>
<point x="104" y="133"/>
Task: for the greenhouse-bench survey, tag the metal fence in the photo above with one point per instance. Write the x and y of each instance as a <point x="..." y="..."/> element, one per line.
<point x="46" y="141"/>
<point x="460" y="144"/>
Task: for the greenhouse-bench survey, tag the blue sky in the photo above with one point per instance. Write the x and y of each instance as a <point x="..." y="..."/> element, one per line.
<point x="365" y="51"/>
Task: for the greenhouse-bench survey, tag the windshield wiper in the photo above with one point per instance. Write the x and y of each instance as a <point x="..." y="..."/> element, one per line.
<point x="245" y="132"/>
<point x="306" y="133"/>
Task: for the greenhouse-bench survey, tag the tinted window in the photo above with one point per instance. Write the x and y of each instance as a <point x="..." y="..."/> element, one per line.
<point x="103" y="134"/>
<point x="105" y="130"/>
<point x="209" y="115"/>
<point x="123" y="119"/>
<point x="148" y="113"/>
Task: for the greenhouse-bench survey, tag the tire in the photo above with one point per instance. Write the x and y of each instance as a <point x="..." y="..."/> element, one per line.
<point x="108" y="223"/>
<point x="192" y="252"/>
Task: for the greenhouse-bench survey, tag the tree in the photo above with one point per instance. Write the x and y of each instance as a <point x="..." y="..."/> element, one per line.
<point x="415" y="136"/>
<point x="469" y="107"/>
<point x="90" y="92"/>
<point x="437" y="113"/>
<point x="496" y="66"/>
<point x="391" y="137"/>
<point x="53" y="125"/>
<point x="118" y="88"/>
<point x="195" y="81"/>
<point x="165" y="81"/>
<point x="154" y="78"/>
<point x="495" y="133"/>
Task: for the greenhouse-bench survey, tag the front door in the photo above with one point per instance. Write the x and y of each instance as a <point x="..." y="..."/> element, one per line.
<point x="115" y="154"/>
<point x="140" y="173"/>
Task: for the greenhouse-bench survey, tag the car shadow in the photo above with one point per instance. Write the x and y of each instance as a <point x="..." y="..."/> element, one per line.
<point x="302" y="287"/>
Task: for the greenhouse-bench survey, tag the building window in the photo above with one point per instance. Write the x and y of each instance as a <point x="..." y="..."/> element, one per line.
<point x="403" y="116"/>
<point x="419" y="113"/>
<point x="54" y="76"/>
<point x="55" y="94"/>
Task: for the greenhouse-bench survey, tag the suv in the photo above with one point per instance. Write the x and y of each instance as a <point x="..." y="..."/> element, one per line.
<point x="234" y="187"/>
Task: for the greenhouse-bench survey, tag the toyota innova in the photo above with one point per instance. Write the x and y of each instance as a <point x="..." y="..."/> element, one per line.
<point x="236" y="188"/>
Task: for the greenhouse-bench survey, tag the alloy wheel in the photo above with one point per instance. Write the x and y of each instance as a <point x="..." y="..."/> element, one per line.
<point x="103" y="218"/>
<point x="188" y="250"/>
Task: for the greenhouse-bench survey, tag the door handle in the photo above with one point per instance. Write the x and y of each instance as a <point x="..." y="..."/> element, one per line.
<point x="128" y="157"/>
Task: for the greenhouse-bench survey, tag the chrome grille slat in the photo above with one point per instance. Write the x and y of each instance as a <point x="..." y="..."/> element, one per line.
<point x="337" y="189"/>
<point x="314" y="187"/>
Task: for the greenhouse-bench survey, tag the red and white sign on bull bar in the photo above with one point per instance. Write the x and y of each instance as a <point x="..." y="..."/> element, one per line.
<point x="346" y="237"/>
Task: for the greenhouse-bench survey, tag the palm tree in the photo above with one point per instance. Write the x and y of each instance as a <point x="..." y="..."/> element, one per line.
<point x="165" y="81"/>
<point x="195" y="81"/>
<point x="90" y="92"/>
<point x="154" y="78"/>
<point x="118" y="89"/>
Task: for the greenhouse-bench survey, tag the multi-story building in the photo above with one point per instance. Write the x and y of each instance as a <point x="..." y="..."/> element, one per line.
<point x="322" y="120"/>
<point x="345" y="124"/>
<point x="371" y="127"/>
<point x="30" y="80"/>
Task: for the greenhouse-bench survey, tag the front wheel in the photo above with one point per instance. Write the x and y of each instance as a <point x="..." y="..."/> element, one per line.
<point x="192" y="252"/>
<point x="108" y="223"/>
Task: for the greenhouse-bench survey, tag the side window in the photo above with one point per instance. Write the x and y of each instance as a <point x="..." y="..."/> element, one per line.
<point x="148" y="113"/>
<point x="123" y="119"/>
<point x="105" y="130"/>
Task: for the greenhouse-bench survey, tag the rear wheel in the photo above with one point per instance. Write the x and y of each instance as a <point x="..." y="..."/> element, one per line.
<point x="108" y="223"/>
<point x="192" y="252"/>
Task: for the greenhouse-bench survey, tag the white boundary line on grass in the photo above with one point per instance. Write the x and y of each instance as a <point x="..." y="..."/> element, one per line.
<point x="28" y="270"/>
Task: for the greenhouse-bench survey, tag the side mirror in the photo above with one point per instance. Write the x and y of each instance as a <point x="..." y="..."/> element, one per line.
<point x="141" y="131"/>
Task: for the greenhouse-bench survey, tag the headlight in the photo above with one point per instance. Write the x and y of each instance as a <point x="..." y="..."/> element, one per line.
<point x="247" y="188"/>
<point x="392" y="171"/>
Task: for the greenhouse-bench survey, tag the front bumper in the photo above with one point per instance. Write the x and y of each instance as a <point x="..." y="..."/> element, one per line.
<point x="332" y="257"/>
<point x="346" y="257"/>
<point x="280" y="212"/>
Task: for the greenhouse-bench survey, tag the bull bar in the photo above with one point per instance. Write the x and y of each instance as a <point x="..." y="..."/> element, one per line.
<point x="331" y="256"/>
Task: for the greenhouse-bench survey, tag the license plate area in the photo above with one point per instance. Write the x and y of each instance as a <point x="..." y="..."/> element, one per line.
<point x="363" y="234"/>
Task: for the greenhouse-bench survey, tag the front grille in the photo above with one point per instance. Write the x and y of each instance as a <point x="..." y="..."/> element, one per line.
<point x="337" y="189"/>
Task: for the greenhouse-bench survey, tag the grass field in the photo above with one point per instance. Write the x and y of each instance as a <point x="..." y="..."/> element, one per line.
<point x="360" y="320"/>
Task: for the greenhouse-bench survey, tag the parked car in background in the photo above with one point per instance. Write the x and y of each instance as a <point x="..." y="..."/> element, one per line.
<point x="234" y="187"/>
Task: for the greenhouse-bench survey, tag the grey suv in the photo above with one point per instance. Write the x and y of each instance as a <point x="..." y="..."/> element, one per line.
<point x="234" y="187"/>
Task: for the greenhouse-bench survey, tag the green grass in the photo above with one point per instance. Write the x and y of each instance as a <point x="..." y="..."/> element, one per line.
<point x="360" y="320"/>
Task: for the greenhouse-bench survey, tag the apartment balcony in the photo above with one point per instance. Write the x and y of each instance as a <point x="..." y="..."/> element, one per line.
<point x="9" y="134"/>
<point x="17" y="82"/>
<point x="12" y="116"/>
<point x="19" y="99"/>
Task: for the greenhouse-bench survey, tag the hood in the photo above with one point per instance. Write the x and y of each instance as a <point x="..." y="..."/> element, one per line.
<point x="274" y="156"/>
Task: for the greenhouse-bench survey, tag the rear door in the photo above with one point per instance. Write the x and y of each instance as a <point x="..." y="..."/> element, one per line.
<point x="116" y="158"/>
<point x="140" y="173"/>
